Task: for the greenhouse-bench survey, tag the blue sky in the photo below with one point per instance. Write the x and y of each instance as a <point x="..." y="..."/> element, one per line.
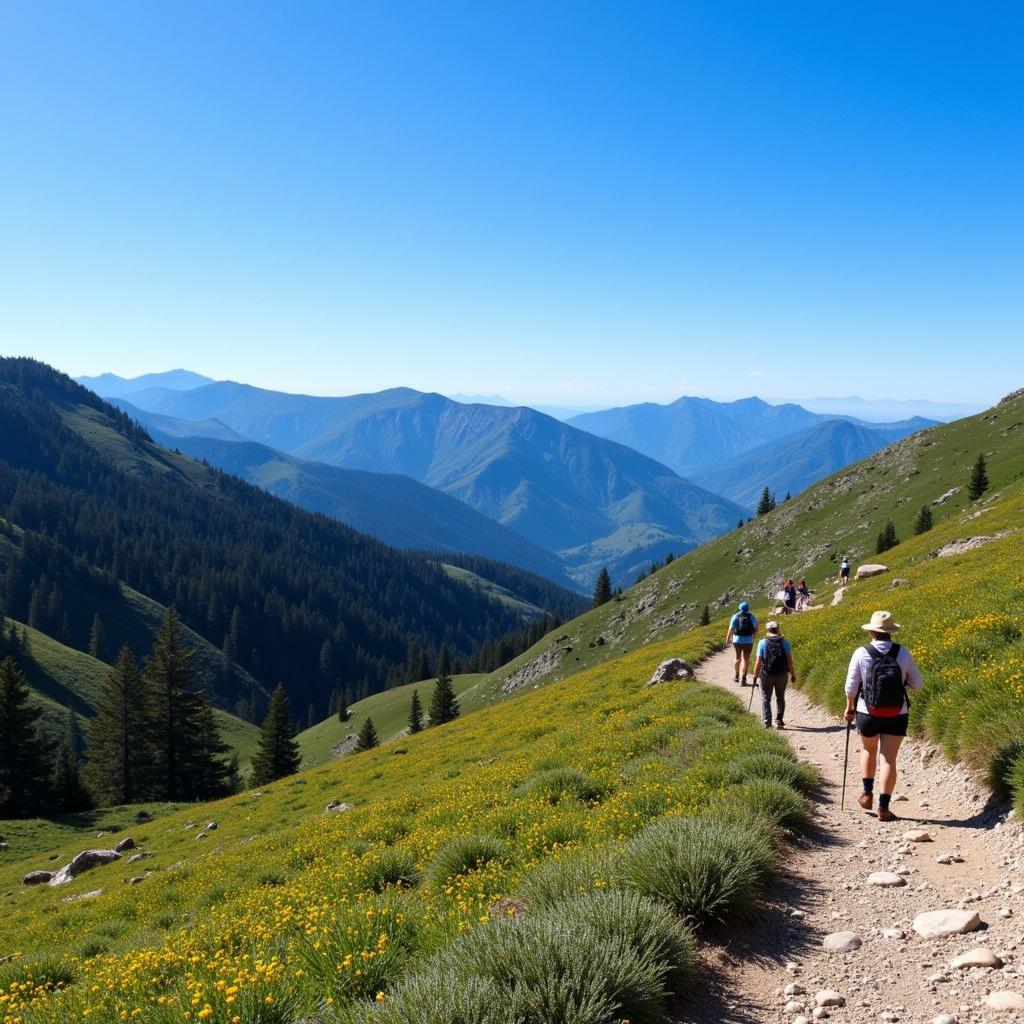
<point x="567" y="203"/>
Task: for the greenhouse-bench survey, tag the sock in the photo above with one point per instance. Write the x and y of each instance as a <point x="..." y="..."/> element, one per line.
<point x="883" y="801"/>
<point x="869" y="786"/>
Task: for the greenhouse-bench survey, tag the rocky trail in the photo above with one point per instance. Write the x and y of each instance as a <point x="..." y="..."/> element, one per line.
<point x="836" y="937"/>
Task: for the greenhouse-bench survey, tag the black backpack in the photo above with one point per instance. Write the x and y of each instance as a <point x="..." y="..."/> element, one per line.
<point x="884" y="690"/>
<point x="744" y="624"/>
<point x="775" y="661"/>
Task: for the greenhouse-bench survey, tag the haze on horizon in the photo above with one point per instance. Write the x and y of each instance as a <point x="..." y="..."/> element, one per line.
<point x="580" y="206"/>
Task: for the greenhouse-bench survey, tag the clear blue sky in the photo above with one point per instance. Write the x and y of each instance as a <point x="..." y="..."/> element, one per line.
<point x="572" y="203"/>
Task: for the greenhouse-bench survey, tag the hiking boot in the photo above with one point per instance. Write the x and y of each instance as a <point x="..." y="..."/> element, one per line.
<point x="866" y="800"/>
<point x="736" y="678"/>
<point x="780" y="724"/>
<point x="767" y="725"/>
<point x="884" y="814"/>
<point x="743" y="681"/>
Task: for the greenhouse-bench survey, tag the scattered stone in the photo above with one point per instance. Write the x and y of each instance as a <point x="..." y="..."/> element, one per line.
<point x="1005" y="912"/>
<point x="893" y="933"/>
<point x="136" y="857"/>
<point x="126" y="844"/>
<point x="830" y="997"/>
<point x="37" y="877"/>
<point x="979" y="956"/>
<point x="890" y="1016"/>
<point x="794" y="988"/>
<point x="210" y="826"/>
<point x="934" y="924"/>
<point x="949" y="858"/>
<point x="200" y="835"/>
<point x="944" y="1018"/>
<point x="338" y="806"/>
<point x="917" y="835"/>
<point x="673" y="668"/>
<point x="136" y="879"/>
<point x="84" y="861"/>
<point x="886" y="879"/>
<point x="842" y="942"/>
<point x="800" y="1020"/>
<point x="1005" y="1000"/>
<point x="82" y="896"/>
<point x="899" y="582"/>
<point x="865" y="572"/>
<point x="793" y="1006"/>
<point x="959" y="547"/>
<point x="797" y="913"/>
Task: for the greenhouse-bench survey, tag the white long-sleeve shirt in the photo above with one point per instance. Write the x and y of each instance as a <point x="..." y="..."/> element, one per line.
<point x="860" y="667"/>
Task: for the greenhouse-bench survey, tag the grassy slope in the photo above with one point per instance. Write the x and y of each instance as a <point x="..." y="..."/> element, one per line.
<point x="61" y="677"/>
<point x="493" y="590"/>
<point x="389" y="711"/>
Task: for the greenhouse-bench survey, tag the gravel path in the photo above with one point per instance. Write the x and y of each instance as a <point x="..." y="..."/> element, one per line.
<point x="895" y="974"/>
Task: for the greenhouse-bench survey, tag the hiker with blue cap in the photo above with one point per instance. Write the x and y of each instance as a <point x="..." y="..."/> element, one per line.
<point x="742" y="630"/>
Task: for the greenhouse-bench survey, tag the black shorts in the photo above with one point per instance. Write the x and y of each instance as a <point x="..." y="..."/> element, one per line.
<point x="740" y="648"/>
<point x="873" y="725"/>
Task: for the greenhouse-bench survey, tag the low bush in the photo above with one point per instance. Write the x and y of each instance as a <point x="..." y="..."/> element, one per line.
<point x="704" y="869"/>
<point x="1017" y="784"/>
<point x="556" y="783"/>
<point x="774" y="800"/>
<point x="467" y="853"/>
<point x="389" y="867"/>
<point x="567" y="876"/>
<point x="767" y="764"/>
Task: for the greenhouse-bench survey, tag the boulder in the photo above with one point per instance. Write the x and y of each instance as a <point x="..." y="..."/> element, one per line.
<point x="979" y="956"/>
<point x="865" y="572"/>
<point x="829" y="997"/>
<point x="674" y="668"/>
<point x="126" y="844"/>
<point x="842" y="942"/>
<point x="1005" y="1000"/>
<point x="210" y="826"/>
<point x="934" y="924"/>
<point x="37" y="877"/>
<point x="337" y="806"/>
<point x="84" y="861"/>
<point x="136" y="880"/>
<point x="82" y="896"/>
<point x="886" y="879"/>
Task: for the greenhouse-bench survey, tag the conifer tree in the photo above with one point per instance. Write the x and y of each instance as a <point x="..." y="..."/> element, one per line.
<point x="705" y="616"/>
<point x="24" y="755"/>
<point x="120" y="752"/>
<point x="278" y="752"/>
<point x="176" y="713"/>
<point x="367" y="737"/>
<point x="891" y="540"/>
<point x="979" y="479"/>
<point x="765" y="504"/>
<point x="923" y="523"/>
<point x="444" y="705"/>
<point x="415" y="713"/>
<point x="602" y="589"/>
<point x="212" y="773"/>
<point x="69" y="792"/>
<point x="739" y="524"/>
<point x="97" y="644"/>
<point x="343" y="706"/>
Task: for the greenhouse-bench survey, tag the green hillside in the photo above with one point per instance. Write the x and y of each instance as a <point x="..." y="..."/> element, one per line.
<point x="61" y="678"/>
<point x="389" y="711"/>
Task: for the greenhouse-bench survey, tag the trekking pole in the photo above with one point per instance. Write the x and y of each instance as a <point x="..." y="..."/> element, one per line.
<point x="846" y="761"/>
<point x="753" y="686"/>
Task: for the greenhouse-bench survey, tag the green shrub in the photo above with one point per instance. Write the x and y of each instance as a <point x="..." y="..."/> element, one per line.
<point x="428" y="998"/>
<point x="45" y="970"/>
<point x="773" y="800"/>
<point x="467" y="853"/>
<point x="389" y="867"/>
<point x="556" y="783"/>
<point x="1017" y="784"/>
<point x="703" y="869"/>
<point x="766" y="764"/>
<point x="1000" y="771"/>
<point x="567" y="876"/>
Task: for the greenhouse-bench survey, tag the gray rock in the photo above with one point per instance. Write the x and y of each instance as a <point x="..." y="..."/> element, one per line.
<point x="865" y="572"/>
<point x="84" y="861"/>
<point x="337" y="806"/>
<point x="934" y="924"/>
<point x="126" y="844"/>
<point x="136" y="857"/>
<point x="842" y="942"/>
<point x="886" y="879"/>
<point x="1005" y="1001"/>
<point x="979" y="956"/>
<point x="829" y="997"/>
<point x="673" y="668"/>
<point x="136" y="879"/>
<point x="82" y="896"/>
<point x="944" y="1018"/>
<point x="917" y="835"/>
<point x="37" y="877"/>
<point x="210" y="826"/>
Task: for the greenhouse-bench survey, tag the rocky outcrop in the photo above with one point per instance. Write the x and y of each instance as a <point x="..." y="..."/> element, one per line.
<point x="533" y="670"/>
<point x="673" y="668"/>
<point x="337" y="807"/>
<point x="960" y="547"/>
<point x="37" y="877"/>
<point x="84" y="861"/>
<point x="126" y="844"/>
<point x="865" y="572"/>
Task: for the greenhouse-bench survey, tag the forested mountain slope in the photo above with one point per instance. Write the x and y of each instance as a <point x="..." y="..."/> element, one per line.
<point x="290" y="595"/>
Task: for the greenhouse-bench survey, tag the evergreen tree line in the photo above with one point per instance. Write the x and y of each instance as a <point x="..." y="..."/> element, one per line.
<point x="265" y="582"/>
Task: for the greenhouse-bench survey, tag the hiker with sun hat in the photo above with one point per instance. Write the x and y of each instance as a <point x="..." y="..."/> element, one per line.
<point x="879" y="676"/>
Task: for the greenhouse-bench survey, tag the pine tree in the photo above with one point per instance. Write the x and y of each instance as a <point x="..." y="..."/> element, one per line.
<point x="444" y="705"/>
<point x="212" y="773"/>
<point x="979" y="479"/>
<point x="343" y="706"/>
<point x="176" y="713"/>
<point x="923" y="523"/>
<point x="97" y="645"/>
<point x="891" y="540"/>
<point x="765" y="504"/>
<point x="310" y="716"/>
<point x="278" y="752"/>
<point x="705" y="616"/>
<point x="120" y="742"/>
<point x="415" y="713"/>
<point x="602" y="589"/>
<point x="739" y="524"/>
<point x="367" y="737"/>
<point x="24" y="756"/>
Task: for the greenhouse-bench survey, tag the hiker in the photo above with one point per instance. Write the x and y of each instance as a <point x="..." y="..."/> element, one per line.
<point x="742" y="630"/>
<point x="844" y="572"/>
<point x="773" y="669"/>
<point x="789" y="598"/>
<point x="876" y="699"/>
<point x="803" y="594"/>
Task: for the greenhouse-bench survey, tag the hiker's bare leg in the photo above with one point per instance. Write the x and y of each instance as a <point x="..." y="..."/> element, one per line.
<point x="746" y="658"/>
<point x="736" y="667"/>
<point x="890" y="748"/>
<point x="868" y="756"/>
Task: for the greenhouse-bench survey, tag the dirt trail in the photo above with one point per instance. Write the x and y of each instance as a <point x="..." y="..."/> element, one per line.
<point x="895" y="975"/>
